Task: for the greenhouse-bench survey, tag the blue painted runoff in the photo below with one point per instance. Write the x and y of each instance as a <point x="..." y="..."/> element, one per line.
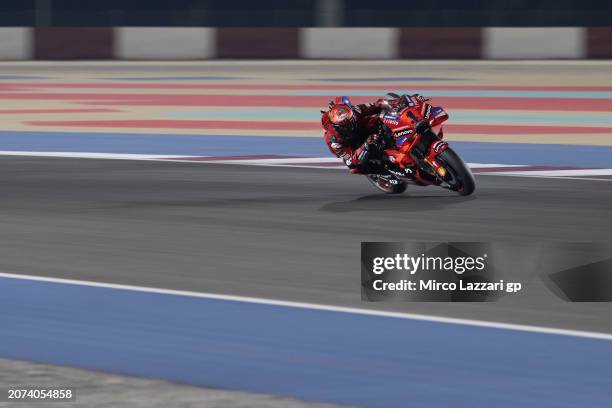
<point x="308" y="354"/>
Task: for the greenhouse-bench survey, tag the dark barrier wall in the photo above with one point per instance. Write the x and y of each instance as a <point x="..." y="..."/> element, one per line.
<point x="479" y="13"/>
<point x="306" y="13"/>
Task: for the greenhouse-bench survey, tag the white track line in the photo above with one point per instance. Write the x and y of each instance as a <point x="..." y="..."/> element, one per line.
<point x="561" y="173"/>
<point x="548" y="177"/>
<point x="489" y="165"/>
<point x="570" y="178"/>
<point x="313" y="306"/>
<point x="288" y="160"/>
<point x="86" y="155"/>
<point x="185" y="158"/>
<point x="311" y="163"/>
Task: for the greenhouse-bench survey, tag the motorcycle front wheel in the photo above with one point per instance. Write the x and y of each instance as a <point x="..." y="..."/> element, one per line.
<point x="458" y="176"/>
<point x="387" y="185"/>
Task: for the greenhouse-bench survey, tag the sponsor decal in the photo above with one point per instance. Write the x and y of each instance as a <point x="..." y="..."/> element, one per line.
<point x="427" y="111"/>
<point x="391" y="119"/>
<point x="403" y="173"/>
<point x="439" y="146"/>
<point x="404" y="132"/>
<point x="400" y="141"/>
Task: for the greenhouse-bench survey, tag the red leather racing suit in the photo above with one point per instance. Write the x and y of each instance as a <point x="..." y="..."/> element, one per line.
<point x="353" y="147"/>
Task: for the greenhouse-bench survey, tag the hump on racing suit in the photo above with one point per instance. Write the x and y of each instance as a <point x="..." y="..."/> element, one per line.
<point x="342" y="100"/>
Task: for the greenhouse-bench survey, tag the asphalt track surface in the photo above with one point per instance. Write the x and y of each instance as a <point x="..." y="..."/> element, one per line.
<point x="280" y="233"/>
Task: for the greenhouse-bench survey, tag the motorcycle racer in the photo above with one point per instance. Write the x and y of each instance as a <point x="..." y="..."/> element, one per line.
<point x="355" y="132"/>
<point x="394" y="142"/>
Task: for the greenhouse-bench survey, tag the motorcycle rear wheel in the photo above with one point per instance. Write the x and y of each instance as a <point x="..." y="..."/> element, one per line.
<point x="459" y="178"/>
<point x="384" y="184"/>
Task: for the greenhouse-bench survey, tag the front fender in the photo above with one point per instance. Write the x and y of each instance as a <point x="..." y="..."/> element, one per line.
<point x="436" y="148"/>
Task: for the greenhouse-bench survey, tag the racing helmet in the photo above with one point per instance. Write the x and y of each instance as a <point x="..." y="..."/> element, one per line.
<point x="342" y="117"/>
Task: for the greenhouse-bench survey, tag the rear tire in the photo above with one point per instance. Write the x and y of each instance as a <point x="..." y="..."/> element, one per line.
<point x="383" y="184"/>
<point x="458" y="177"/>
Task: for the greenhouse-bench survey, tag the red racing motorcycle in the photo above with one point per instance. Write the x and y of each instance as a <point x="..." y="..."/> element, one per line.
<point x="417" y="153"/>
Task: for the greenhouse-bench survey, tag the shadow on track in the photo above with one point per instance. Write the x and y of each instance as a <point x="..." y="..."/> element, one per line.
<point x="402" y="202"/>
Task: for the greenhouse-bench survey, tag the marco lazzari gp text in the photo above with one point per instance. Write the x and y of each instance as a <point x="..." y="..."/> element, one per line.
<point x="434" y="285"/>
<point x="458" y="265"/>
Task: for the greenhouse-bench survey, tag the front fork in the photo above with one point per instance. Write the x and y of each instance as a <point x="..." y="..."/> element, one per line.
<point x="427" y="149"/>
<point x="435" y="149"/>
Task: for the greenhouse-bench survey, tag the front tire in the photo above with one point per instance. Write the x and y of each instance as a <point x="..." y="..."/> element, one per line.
<point x="387" y="185"/>
<point x="459" y="177"/>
